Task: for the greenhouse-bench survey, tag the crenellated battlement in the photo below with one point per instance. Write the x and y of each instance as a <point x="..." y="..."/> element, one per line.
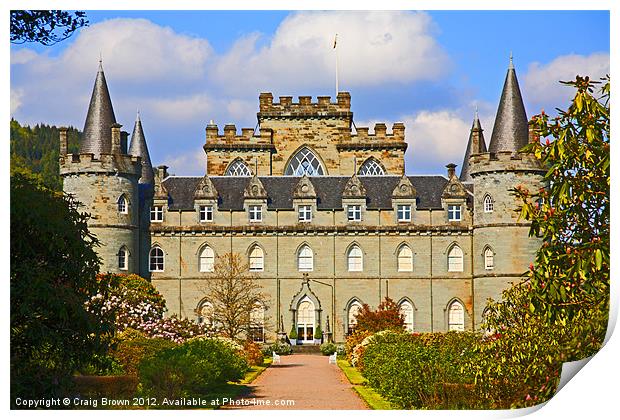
<point x="380" y="133"/>
<point x="304" y="107"/>
<point x="230" y="137"/>
<point x="84" y="163"/>
<point x="504" y="162"/>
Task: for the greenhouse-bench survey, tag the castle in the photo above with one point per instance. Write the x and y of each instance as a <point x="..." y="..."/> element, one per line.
<point x="322" y="211"/>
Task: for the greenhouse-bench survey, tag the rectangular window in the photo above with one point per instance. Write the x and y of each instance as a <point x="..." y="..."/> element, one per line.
<point x="305" y="213"/>
<point x="404" y="213"/>
<point x="354" y="213"/>
<point x="256" y="213"/>
<point x="206" y="213"/>
<point x="454" y="213"/>
<point x="157" y="214"/>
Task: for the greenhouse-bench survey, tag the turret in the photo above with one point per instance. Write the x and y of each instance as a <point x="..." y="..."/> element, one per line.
<point x="104" y="179"/>
<point x="139" y="148"/>
<point x="475" y="145"/>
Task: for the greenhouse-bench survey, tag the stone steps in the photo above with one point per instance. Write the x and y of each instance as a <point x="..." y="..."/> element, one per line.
<point x="307" y="349"/>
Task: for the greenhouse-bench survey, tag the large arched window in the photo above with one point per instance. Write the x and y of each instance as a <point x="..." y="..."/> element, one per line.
<point x="156" y="259"/>
<point x="257" y="259"/>
<point x="354" y="308"/>
<point x="304" y="162"/>
<point x="355" y="259"/>
<point x="238" y="168"/>
<point x="205" y="314"/>
<point x="371" y="167"/>
<point x="257" y="323"/>
<point x="488" y="204"/>
<point x="455" y="259"/>
<point x="305" y="259"/>
<point x="405" y="258"/>
<point x="489" y="262"/>
<point x="406" y="310"/>
<point x="123" y="259"/>
<point x="123" y="204"/>
<point x="207" y="259"/>
<point x="456" y="316"/>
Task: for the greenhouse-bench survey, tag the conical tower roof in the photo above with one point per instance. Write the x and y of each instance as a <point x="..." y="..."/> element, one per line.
<point x="510" y="132"/>
<point x="97" y="133"/>
<point x="476" y="144"/>
<point x="138" y="148"/>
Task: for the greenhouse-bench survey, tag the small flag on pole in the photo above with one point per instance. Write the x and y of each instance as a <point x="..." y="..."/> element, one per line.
<point x="335" y="40"/>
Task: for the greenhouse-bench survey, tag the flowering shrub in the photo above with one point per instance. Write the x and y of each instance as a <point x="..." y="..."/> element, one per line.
<point x="387" y="316"/>
<point x="191" y="369"/>
<point x="252" y="353"/>
<point x="328" y="349"/>
<point x="277" y="348"/>
<point x="132" y="346"/>
<point x="352" y="341"/>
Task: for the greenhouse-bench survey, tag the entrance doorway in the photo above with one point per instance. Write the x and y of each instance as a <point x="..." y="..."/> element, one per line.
<point x="305" y="321"/>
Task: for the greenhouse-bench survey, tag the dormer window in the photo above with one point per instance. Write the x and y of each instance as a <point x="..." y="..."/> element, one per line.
<point x="256" y="213"/>
<point x="454" y="212"/>
<point x="354" y="213"/>
<point x="157" y="214"/>
<point x="404" y="212"/>
<point x="206" y="213"/>
<point x="305" y="213"/>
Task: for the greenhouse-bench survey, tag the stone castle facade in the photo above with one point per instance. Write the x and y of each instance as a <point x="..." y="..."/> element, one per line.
<point x="322" y="211"/>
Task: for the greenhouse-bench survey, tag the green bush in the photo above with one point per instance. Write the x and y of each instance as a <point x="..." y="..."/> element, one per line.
<point x="421" y="370"/>
<point x="293" y="333"/>
<point x="132" y="346"/>
<point x="193" y="368"/>
<point x="277" y="348"/>
<point x="328" y="349"/>
<point x="318" y="333"/>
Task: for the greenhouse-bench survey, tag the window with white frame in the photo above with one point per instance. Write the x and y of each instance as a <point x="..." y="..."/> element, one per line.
<point x="257" y="323"/>
<point x="123" y="259"/>
<point x="488" y="204"/>
<point x="305" y="259"/>
<point x="454" y="212"/>
<point x="207" y="259"/>
<point x="206" y="213"/>
<point x="406" y="310"/>
<point x="156" y="259"/>
<point x="354" y="213"/>
<point x="123" y="204"/>
<point x="489" y="262"/>
<point x="456" y="317"/>
<point x="257" y="259"/>
<point x="256" y="213"/>
<point x="304" y="213"/>
<point x="304" y="162"/>
<point x="238" y="168"/>
<point x="405" y="258"/>
<point x="355" y="259"/>
<point x="354" y="308"/>
<point x="455" y="259"/>
<point x="157" y="214"/>
<point x="371" y="168"/>
<point x="404" y="212"/>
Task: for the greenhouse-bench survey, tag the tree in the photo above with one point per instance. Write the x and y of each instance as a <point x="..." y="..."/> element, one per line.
<point x="53" y="272"/>
<point x="560" y="312"/>
<point x="233" y="293"/>
<point x="46" y="27"/>
<point x="386" y="317"/>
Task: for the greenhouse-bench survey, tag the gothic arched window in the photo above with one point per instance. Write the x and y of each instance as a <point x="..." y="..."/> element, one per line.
<point x="405" y="258"/>
<point x="371" y="167"/>
<point x="257" y="323"/>
<point x="455" y="259"/>
<point x="123" y="204"/>
<point x="456" y="317"/>
<point x="489" y="262"/>
<point x="123" y="258"/>
<point x="354" y="308"/>
<point x="238" y="168"/>
<point x="355" y="259"/>
<point x="257" y="259"/>
<point x="305" y="259"/>
<point x="156" y="259"/>
<point x="304" y="162"/>
<point x="207" y="259"/>
<point x="406" y="310"/>
<point x="488" y="204"/>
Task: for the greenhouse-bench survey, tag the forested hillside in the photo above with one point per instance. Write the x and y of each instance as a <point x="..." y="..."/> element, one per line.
<point x="35" y="149"/>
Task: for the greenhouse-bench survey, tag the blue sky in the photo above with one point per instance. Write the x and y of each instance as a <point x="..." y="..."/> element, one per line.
<point x="427" y="69"/>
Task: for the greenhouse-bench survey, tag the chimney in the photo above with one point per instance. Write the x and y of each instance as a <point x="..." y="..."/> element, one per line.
<point x="451" y="170"/>
<point x="63" y="140"/>
<point x="162" y="172"/>
<point x="116" y="138"/>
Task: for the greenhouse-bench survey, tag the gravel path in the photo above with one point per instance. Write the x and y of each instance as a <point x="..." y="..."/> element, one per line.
<point x="301" y="382"/>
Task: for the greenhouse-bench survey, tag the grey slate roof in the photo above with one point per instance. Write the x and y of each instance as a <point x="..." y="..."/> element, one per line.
<point x="328" y="189"/>
<point x="97" y="133"/>
<point x="482" y="148"/>
<point x="138" y="148"/>
<point x="510" y="132"/>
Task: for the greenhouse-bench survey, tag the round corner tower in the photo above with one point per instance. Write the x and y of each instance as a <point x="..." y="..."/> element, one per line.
<point x="103" y="178"/>
<point x="502" y="247"/>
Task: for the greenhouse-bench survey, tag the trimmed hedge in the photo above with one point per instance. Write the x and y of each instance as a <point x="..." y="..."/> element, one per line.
<point x="421" y="370"/>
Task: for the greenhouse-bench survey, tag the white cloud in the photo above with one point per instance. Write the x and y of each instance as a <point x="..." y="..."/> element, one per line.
<point x="179" y="109"/>
<point x="373" y="47"/>
<point x="16" y="99"/>
<point x="541" y="83"/>
<point x="190" y="163"/>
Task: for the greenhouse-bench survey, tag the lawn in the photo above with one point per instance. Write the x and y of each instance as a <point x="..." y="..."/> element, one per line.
<point x="373" y="399"/>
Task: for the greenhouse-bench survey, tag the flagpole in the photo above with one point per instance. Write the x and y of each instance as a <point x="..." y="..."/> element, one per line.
<point x="335" y="47"/>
